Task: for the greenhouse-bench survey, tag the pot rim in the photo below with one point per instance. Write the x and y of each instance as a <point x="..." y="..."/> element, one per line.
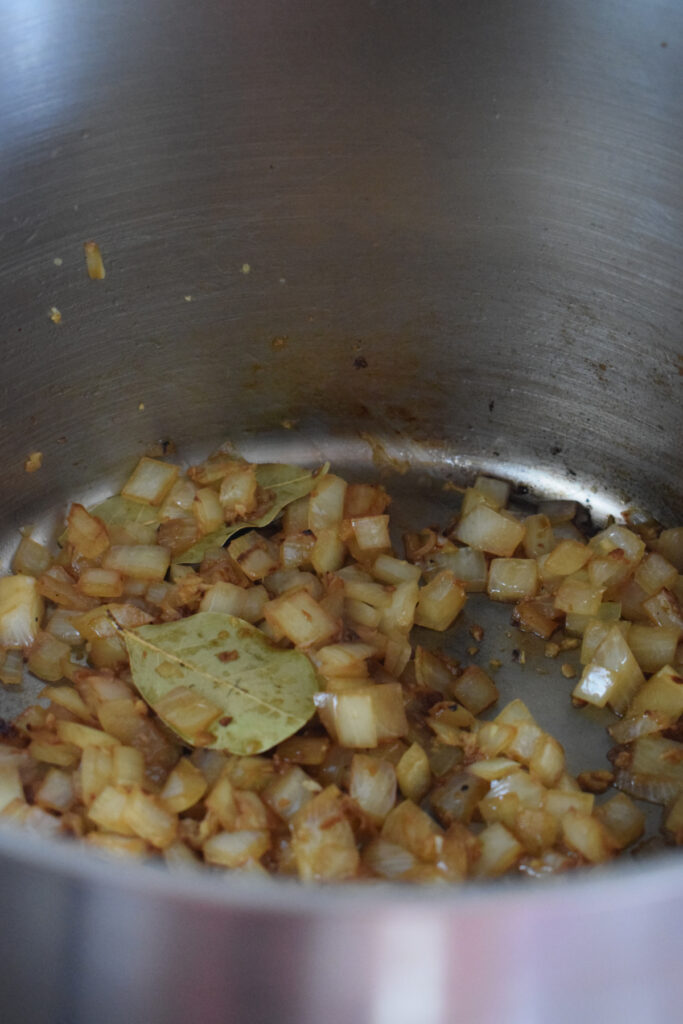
<point x="578" y="893"/>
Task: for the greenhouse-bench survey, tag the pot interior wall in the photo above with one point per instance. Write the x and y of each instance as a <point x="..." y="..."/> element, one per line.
<point x="457" y="232"/>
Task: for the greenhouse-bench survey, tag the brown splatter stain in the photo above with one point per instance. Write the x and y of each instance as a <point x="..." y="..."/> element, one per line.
<point x="599" y="369"/>
<point x="227" y="656"/>
<point x="407" y="417"/>
<point x="381" y="457"/>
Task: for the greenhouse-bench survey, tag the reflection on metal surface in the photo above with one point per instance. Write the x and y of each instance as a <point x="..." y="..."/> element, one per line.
<point x="410" y="970"/>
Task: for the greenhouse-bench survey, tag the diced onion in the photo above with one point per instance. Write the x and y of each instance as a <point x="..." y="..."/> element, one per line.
<point x="235" y="849"/>
<point x="354" y="720"/>
<point x="187" y="711"/>
<point x="101" y="582"/>
<point x="328" y="854"/>
<point x="11" y="667"/>
<point x="139" y="561"/>
<point x="392" y="570"/>
<point x="372" y="785"/>
<point x="31" y="558"/>
<point x="287" y="793"/>
<point x="148" y="818"/>
<point x="623" y="819"/>
<point x="440" y="602"/>
<point x="326" y="503"/>
<point x="207" y="510"/>
<point x="300" y="618"/>
<point x="10" y="785"/>
<point x="413" y="773"/>
<point x="371" y="533"/>
<point x="21" y="610"/>
<point x="663" y="609"/>
<point x="238" y="491"/>
<point x="539" y="538"/>
<point x="588" y="836"/>
<point x="56" y="792"/>
<point x="487" y="530"/>
<point x="394" y="776"/>
<point x="567" y="557"/>
<point x="150" y="481"/>
<point x="654" y="572"/>
<point x="499" y="851"/>
<point x="512" y="579"/>
<point x="662" y="693"/>
<point x="389" y="860"/>
<point x="578" y="596"/>
<point x="653" y="647"/>
<point x="475" y="689"/>
<point x="184" y="786"/>
<point x="87" y="533"/>
<point x="496" y="492"/>
<point x="409" y="826"/>
<point x="229" y="599"/>
<point x="670" y="545"/>
<point x="612" y="676"/>
<point x="93" y="261"/>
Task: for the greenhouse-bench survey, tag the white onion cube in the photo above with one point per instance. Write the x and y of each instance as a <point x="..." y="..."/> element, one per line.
<point x="150" y="481"/>
<point x="21" y="610"/>
<point x="488" y="530"/>
<point x="512" y="579"/>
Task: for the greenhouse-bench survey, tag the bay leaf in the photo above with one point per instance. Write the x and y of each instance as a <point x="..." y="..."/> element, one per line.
<point x="286" y="483"/>
<point x="265" y="693"/>
<point x="118" y="511"/>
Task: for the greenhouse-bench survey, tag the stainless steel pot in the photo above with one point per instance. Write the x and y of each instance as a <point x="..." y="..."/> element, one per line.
<point x="463" y="222"/>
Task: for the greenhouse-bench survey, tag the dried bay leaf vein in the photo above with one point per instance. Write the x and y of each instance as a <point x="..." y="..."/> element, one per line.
<point x="216" y="680"/>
